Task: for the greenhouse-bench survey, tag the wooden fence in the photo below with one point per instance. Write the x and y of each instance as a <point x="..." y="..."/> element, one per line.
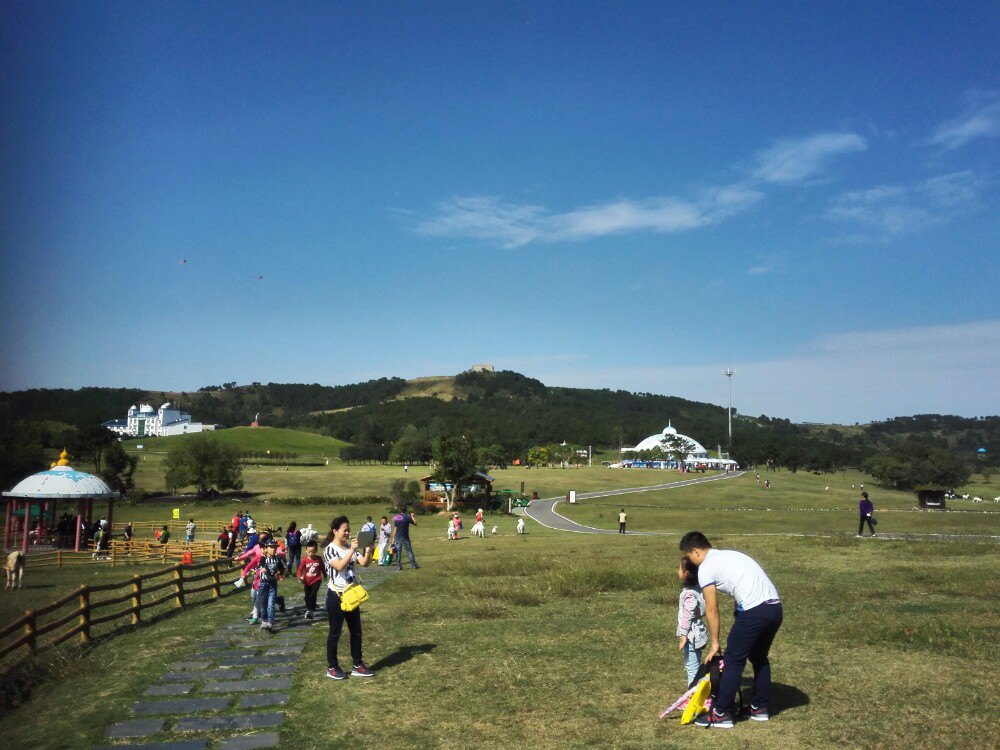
<point x="121" y="552"/>
<point x="80" y="608"/>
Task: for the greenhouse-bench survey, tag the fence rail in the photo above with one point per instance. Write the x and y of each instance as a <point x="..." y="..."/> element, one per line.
<point x="84" y="609"/>
<point x="121" y="552"/>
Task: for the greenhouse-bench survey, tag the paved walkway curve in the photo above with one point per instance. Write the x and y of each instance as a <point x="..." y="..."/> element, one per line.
<point x="544" y="512"/>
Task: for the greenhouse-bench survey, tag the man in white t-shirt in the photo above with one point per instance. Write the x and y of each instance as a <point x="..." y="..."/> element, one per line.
<point x="757" y="619"/>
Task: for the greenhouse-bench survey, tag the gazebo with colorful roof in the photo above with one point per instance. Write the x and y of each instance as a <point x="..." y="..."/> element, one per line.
<point x="39" y="496"/>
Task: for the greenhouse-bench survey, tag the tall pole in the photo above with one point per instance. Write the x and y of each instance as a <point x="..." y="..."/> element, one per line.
<point x="729" y="372"/>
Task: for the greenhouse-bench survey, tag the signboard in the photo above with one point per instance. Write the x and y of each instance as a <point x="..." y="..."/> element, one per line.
<point x="177" y="514"/>
<point x="572" y="496"/>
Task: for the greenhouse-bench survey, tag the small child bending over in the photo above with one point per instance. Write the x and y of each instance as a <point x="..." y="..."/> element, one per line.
<point x="690" y="618"/>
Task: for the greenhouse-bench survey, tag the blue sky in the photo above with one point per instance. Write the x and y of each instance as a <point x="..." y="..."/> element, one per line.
<point x="628" y="195"/>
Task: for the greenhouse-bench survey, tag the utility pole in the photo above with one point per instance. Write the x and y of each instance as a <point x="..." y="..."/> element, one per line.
<point x="729" y="372"/>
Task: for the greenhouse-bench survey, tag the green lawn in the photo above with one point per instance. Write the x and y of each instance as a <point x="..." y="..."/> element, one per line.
<point x="795" y="503"/>
<point x="555" y="640"/>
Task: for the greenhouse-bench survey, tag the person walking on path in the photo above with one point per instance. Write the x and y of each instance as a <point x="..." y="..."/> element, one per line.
<point x="757" y="620"/>
<point x="384" y="535"/>
<point x="865" y="511"/>
<point x="340" y="556"/>
<point x="622" y="517"/>
<point x="402" y="522"/>
<point x="293" y="546"/>
<point x="270" y="570"/>
<point x="310" y="573"/>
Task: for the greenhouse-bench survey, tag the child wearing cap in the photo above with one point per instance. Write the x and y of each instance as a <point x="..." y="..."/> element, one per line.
<point x="270" y="570"/>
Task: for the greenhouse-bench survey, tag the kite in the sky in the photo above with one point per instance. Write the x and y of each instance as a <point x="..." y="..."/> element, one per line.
<point x="259" y="278"/>
<point x="183" y="261"/>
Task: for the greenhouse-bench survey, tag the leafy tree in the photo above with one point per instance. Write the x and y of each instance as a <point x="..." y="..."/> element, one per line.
<point x="204" y="463"/>
<point x="456" y="461"/>
<point x="676" y="447"/>
<point x="119" y="468"/>
<point x="492" y="455"/>
<point x="411" y="446"/>
<point x="91" y="443"/>
<point x="539" y="455"/>
<point x="916" y="462"/>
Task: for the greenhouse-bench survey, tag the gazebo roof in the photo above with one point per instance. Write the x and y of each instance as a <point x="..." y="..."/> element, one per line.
<point x="62" y="481"/>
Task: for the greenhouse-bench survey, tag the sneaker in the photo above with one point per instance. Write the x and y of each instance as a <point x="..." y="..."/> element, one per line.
<point x="252" y="620"/>
<point x="756" y="714"/>
<point x="309" y="614"/>
<point x="361" y="670"/>
<point x="265" y="626"/>
<point x="857" y="536"/>
<point x="336" y="673"/>
<point x="714" y="720"/>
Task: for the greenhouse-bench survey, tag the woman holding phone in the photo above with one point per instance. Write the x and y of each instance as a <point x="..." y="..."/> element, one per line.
<point x="340" y="556"/>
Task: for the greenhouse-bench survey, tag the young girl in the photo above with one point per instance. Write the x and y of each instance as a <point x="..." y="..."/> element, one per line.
<point x="310" y="573"/>
<point x="340" y="556"/>
<point x="690" y="618"/>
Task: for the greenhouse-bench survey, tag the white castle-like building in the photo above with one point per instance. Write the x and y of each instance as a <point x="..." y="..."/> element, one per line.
<point x="145" y="421"/>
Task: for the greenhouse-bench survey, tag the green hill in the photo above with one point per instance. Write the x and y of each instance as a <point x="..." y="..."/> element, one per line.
<point x="262" y="439"/>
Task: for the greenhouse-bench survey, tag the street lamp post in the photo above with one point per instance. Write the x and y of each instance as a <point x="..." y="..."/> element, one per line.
<point x="729" y="372"/>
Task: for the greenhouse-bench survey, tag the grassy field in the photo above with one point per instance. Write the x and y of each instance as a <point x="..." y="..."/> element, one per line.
<point x="554" y="640"/>
<point x="795" y="503"/>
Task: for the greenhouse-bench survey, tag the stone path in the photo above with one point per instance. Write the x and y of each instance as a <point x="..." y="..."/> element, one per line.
<point x="231" y="686"/>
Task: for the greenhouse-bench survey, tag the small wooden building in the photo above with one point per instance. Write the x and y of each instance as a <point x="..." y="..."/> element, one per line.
<point x="478" y="488"/>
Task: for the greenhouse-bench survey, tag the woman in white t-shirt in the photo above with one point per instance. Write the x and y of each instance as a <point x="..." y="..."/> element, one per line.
<point x="340" y="556"/>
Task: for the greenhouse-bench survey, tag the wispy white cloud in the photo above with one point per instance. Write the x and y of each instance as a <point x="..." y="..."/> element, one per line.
<point x="513" y="225"/>
<point x="894" y="210"/>
<point x="981" y="119"/>
<point x="790" y="162"/>
<point x="847" y="377"/>
<point x="759" y="270"/>
<point x="507" y="224"/>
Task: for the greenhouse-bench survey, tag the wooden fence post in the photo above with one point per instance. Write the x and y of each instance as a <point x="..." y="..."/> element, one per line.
<point x="136" y="599"/>
<point x="216" y="592"/>
<point x="179" y="585"/>
<point x="59" y="559"/>
<point x="30" y="626"/>
<point x="84" y="613"/>
<point x="113" y="553"/>
<point x="165" y="551"/>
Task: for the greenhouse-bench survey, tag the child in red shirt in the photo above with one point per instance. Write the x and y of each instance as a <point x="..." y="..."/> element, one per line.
<point x="311" y="574"/>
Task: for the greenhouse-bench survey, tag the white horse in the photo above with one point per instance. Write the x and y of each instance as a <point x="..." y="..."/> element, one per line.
<point x="14" y="568"/>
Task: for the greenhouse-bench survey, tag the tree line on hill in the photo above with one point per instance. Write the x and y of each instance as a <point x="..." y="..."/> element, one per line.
<point x="505" y="414"/>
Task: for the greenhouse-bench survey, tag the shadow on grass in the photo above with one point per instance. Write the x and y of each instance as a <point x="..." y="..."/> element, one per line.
<point x="783" y="697"/>
<point x="402" y="655"/>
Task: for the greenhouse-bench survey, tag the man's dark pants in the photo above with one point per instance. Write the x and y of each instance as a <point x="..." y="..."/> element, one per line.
<point x="749" y="639"/>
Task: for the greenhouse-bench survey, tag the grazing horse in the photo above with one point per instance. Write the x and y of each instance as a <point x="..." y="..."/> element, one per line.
<point x="14" y="568"/>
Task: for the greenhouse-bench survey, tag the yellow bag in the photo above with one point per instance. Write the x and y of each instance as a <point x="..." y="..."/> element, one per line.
<point x="696" y="704"/>
<point x="353" y="597"/>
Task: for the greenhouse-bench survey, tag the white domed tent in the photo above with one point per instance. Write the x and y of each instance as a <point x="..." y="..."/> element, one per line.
<point x="660" y="439"/>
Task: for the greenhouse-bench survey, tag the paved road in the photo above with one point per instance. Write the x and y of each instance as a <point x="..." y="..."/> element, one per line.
<point x="544" y="510"/>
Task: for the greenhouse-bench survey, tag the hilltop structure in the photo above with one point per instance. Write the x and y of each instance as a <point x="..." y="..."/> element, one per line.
<point x="144" y="421"/>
